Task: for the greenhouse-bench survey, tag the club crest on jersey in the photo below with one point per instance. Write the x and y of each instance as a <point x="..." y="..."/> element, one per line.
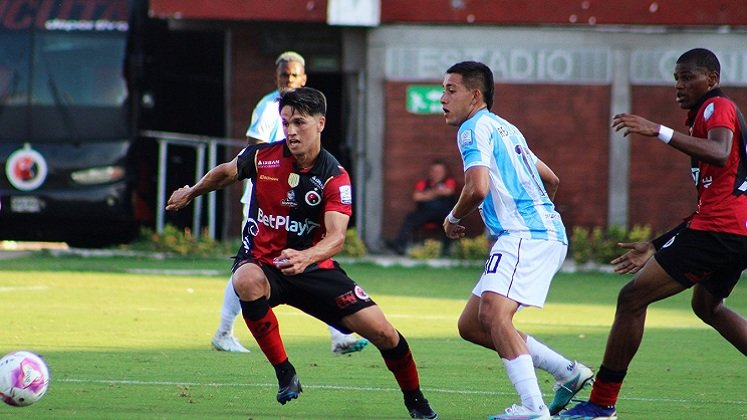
<point x="313" y="198"/>
<point x="293" y="180"/>
<point x="708" y="111"/>
<point x="465" y="139"/>
<point x="290" y="199"/>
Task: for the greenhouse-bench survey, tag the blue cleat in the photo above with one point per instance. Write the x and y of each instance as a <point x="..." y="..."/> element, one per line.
<point x="587" y="410"/>
<point x="290" y="391"/>
<point x="582" y="377"/>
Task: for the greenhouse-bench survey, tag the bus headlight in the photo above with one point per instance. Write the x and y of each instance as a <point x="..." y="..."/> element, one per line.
<point x="102" y="175"/>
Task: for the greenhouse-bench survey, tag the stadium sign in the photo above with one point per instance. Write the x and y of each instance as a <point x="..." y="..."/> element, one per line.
<point x="656" y="66"/>
<point x="519" y="65"/>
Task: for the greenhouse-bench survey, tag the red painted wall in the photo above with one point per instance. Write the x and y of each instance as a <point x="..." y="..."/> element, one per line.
<point x="562" y="12"/>
<point x="507" y="12"/>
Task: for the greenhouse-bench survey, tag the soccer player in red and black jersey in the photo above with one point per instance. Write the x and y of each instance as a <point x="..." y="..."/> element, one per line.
<point x="299" y="214"/>
<point x="708" y="252"/>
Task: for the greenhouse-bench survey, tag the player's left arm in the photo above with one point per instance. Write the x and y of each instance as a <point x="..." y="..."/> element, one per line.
<point x="336" y="225"/>
<point x="715" y="151"/>
<point x="548" y="177"/>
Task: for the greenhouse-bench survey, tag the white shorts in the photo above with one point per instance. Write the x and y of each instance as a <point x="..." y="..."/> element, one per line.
<point x="521" y="269"/>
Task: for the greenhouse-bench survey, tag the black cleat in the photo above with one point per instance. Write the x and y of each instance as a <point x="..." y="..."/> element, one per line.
<point x="290" y="391"/>
<point x="418" y="406"/>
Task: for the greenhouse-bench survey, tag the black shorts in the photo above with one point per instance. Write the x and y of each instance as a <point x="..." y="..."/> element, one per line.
<point x="714" y="260"/>
<point x="326" y="294"/>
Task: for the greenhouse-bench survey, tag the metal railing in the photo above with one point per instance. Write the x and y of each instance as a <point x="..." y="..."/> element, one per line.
<point x="200" y="144"/>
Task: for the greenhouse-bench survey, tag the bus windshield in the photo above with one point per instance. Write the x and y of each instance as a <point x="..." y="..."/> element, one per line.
<point x="62" y="86"/>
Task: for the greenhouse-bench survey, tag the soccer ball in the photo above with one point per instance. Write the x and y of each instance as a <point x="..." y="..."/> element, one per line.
<point x="24" y="378"/>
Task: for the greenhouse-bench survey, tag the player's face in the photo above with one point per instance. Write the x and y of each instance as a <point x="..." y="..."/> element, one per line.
<point x="457" y="101"/>
<point x="691" y="83"/>
<point x="303" y="132"/>
<point x="290" y="75"/>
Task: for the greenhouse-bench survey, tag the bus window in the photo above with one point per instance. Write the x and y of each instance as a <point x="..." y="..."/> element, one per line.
<point x="79" y="70"/>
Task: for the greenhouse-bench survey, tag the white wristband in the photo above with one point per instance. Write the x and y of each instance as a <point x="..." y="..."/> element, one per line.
<point x="665" y="134"/>
<point x="453" y="220"/>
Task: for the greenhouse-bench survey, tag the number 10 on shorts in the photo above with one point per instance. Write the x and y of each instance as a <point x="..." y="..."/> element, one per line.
<point x="491" y="266"/>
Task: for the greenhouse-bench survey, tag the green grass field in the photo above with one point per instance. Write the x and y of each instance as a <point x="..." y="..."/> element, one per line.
<point x="124" y="341"/>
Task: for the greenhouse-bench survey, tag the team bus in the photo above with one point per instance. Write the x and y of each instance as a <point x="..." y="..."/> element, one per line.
<point x="79" y="81"/>
<point x="66" y="133"/>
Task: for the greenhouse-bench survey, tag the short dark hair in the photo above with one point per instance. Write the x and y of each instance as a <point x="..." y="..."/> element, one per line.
<point x="702" y="58"/>
<point x="476" y="76"/>
<point x="306" y="100"/>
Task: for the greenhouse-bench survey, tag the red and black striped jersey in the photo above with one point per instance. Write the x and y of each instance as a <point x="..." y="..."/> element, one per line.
<point x="288" y="204"/>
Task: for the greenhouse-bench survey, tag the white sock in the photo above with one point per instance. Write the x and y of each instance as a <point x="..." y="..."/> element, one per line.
<point x="230" y="310"/>
<point x="549" y="360"/>
<point x="521" y="373"/>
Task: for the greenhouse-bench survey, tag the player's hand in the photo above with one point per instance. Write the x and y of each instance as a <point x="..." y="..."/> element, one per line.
<point x="179" y="199"/>
<point x="633" y="260"/>
<point x="292" y="262"/>
<point x="633" y="124"/>
<point x="453" y="231"/>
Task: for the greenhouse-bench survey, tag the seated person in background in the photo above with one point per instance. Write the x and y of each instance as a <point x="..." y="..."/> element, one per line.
<point x="434" y="198"/>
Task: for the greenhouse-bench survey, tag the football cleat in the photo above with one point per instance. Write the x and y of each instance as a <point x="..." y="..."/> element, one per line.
<point x="581" y="377"/>
<point x="587" y="410"/>
<point x="418" y="407"/>
<point x="351" y="346"/>
<point x="519" y="412"/>
<point x="227" y="342"/>
<point x="290" y="391"/>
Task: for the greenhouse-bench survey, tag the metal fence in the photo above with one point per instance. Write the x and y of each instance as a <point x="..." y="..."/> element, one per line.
<point x="200" y="144"/>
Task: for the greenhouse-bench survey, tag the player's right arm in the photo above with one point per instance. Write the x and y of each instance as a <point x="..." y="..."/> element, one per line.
<point x="217" y="178"/>
<point x="476" y="188"/>
<point x="716" y="151"/>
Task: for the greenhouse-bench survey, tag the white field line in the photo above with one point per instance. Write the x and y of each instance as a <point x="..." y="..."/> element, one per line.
<point x="364" y="388"/>
<point x="22" y="288"/>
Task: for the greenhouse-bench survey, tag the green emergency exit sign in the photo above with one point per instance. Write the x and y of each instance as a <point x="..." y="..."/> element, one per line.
<point x="424" y="99"/>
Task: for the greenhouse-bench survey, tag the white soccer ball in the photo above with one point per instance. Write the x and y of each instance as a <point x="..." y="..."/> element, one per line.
<point x="24" y="378"/>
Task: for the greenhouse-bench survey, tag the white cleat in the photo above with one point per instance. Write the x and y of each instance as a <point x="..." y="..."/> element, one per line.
<point x="519" y="412"/>
<point x="227" y="342"/>
<point x="351" y="345"/>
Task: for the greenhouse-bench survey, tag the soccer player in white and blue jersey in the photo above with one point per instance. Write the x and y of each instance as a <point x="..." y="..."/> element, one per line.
<point x="509" y="185"/>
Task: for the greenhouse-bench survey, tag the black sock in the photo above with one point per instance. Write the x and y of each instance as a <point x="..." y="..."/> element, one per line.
<point x="284" y="372"/>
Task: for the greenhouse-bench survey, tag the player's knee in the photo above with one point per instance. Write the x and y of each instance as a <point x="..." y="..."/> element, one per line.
<point x="466" y="330"/>
<point x="250" y="286"/>
<point x="703" y="310"/>
<point x="628" y="300"/>
<point x="383" y="336"/>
